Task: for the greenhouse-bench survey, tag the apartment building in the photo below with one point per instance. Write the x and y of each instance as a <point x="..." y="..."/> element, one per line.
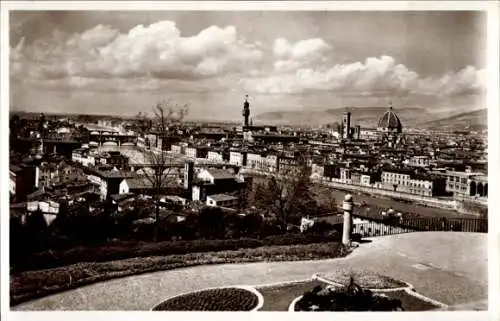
<point x="465" y="185"/>
<point x="419" y="161"/>
<point x="238" y="158"/>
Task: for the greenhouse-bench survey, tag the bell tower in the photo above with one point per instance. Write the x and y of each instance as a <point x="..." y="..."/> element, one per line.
<point x="246" y="111"/>
<point x="346" y="125"/>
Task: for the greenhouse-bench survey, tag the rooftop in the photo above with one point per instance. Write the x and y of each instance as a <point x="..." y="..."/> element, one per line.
<point x="139" y="183"/>
<point x="15" y="168"/>
<point x="222" y="197"/>
<point x="220" y="173"/>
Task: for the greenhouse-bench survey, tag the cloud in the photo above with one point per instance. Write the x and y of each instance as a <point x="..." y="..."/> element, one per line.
<point x="156" y="51"/>
<point x="301" y="50"/>
<point x="467" y="81"/>
<point x="158" y="57"/>
<point x="374" y="77"/>
<point x="292" y="56"/>
<point x="143" y="85"/>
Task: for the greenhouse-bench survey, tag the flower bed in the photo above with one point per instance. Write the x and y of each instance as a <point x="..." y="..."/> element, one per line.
<point x="333" y="298"/>
<point x="364" y="279"/>
<point x="223" y="299"/>
<point x="355" y="298"/>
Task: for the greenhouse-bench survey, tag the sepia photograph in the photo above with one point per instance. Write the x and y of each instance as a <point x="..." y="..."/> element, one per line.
<point x="246" y="160"/>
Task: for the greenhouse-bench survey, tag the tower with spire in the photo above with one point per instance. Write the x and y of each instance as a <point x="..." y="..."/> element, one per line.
<point x="246" y="111"/>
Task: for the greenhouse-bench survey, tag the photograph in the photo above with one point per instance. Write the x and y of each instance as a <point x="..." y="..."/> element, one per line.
<point x="247" y="160"/>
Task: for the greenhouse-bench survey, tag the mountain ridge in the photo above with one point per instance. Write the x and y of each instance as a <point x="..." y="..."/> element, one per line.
<point x="472" y="120"/>
<point x="368" y="117"/>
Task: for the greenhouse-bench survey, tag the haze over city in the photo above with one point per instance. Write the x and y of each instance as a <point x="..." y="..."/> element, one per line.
<point x="123" y="62"/>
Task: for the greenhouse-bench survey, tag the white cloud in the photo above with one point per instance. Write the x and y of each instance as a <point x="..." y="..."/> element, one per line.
<point x="157" y="57"/>
<point x="301" y="50"/>
<point x="467" y="81"/>
<point x="157" y="51"/>
<point x="292" y="56"/>
<point x="376" y="76"/>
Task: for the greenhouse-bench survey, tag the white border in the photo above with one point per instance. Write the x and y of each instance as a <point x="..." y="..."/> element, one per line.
<point x="493" y="128"/>
<point x="251" y="5"/>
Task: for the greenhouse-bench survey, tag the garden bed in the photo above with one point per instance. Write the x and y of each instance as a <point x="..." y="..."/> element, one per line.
<point x="223" y="299"/>
<point x="386" y="294"/>
<point x="399" y="300"/>
<point x="364" y="279"/>
<point x="411" y="302"/>
<point x="29" y="285"/>
<point x="278" y="297"/>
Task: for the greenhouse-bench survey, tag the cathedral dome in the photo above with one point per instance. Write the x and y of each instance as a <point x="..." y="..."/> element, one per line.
<point x="390" y="122"/>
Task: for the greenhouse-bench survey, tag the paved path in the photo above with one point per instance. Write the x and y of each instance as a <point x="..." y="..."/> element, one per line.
<point x="448" y="267"/>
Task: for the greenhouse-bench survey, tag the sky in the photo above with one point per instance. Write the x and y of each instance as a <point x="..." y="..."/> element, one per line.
<point x="125" y="62"/>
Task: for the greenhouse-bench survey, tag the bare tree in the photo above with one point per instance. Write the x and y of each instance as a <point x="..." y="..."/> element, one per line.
<point x="166" y="117"/>
<point x="142" y="121"/>
<point x="287" y="194"/>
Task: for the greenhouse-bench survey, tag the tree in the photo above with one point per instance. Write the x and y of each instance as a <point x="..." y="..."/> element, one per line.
<point x="167" y="116"/>
<point x="143" y="122"/>
<point x="211" y="223"/>
<point x="288" y="194"/>
<point x="326" y="200"/>
<point x="251" y="224"/>
<point x="14" y="125"/>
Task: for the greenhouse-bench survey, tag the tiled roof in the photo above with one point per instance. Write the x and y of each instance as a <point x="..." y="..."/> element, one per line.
<point x="121" y="197"/>
<point x="113" y="174"/>
<point x="139" y="183"/>
<point x="15" y="168"/>
<point x="222" y="197"/>
<point x="220" y="173"/>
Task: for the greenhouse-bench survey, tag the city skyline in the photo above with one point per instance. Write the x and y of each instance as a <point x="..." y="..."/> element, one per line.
<point x="123" y="62"/>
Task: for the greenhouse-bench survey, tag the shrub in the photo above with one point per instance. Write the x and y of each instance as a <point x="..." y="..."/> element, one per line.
<point x="356" y="237"/>
<point x="349" y="298"/>
<point x="124" y="250"/>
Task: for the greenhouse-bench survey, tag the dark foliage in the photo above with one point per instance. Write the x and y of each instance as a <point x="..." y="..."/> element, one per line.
<point x="124" y="250"/>
<point x="349" y="298"/>
<point x="321" y="227"/>
<point x="211" y="223"/>
<point x="288" y="195"/>
<point x="229" y="299"/>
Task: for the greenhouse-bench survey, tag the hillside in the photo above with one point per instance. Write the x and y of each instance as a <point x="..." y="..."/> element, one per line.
<point x="363" y="116"/>
<point x="474" y="120"/>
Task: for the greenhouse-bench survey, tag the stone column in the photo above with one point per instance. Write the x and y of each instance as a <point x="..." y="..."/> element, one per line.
<point x="347" y="206"/>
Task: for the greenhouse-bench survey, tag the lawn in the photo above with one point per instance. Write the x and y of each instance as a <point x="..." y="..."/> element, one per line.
<point x="29" y="285"/>
<point x="279" y="297"/>
<point x="410" y="302"/>
<point x="224" y="299"/>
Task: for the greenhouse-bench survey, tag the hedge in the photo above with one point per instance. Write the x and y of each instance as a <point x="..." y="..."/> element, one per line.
<point x="53" y="259"/>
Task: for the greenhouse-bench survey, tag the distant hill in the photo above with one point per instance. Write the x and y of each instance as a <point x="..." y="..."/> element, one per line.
<point x="364" y="116"/>
<point x="474" y="120"/>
